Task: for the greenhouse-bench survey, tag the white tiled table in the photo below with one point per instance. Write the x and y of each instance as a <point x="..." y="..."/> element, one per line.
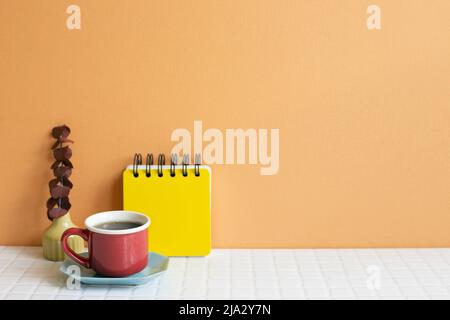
<point x="250" y="274"/>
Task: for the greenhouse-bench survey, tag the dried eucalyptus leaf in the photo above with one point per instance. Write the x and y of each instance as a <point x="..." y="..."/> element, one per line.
<point x="62" y="172"/>
<point x="65" y="140"/>
<point x="51" y="203"/>
<point x="56" y="144"/>
<point x="60" y="143"/>
<point x="59" y="192"/>
<point x="66" y="182"/>
<point x="54" y="213"/>
<point x="53" y="183"/>
<point x="67" y="163"/>
<point x="55" y="164"/>
<point x="64" y="153"/>
<point x="60" y="132"/>
<point x="65" y="203"/>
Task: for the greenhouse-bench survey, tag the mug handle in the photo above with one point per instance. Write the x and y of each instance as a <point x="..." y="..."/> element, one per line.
<point x="83" y="233"/>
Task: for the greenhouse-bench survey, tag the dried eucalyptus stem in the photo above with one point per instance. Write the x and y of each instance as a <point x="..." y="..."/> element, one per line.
<point x="58" y="204"/>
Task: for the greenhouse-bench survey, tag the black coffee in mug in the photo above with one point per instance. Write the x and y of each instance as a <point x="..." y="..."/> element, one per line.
<point x="117" y="225"/>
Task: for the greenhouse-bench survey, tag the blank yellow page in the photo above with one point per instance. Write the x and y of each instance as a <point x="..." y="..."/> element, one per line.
<point x="179" y="208"/>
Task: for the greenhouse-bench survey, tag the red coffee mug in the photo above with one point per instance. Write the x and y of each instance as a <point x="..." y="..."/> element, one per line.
<point x="113" y="253"/>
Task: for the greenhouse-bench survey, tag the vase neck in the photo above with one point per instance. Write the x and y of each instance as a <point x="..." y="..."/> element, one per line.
<point x="65" y="219"/>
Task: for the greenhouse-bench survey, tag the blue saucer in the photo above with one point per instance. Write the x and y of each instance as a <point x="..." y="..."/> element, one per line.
<point x="157" y="264"/>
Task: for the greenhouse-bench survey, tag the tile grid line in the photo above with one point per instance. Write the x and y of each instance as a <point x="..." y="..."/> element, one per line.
<point x="331" y="271"/>
<point x="341" y="262"/>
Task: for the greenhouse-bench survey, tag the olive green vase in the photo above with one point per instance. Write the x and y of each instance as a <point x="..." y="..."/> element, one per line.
<point x="51" y="239"/>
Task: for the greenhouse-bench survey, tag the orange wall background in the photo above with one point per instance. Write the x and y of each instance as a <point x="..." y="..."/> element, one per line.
<point x="364" y="116"/>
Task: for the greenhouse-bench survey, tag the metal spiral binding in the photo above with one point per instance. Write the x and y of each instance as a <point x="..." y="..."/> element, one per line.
<point x="161" y="162"/>
<point x="137" y="161"/>
<point x="184" y="165"/>
<point x="173" y="163"/>
<point x="148" y="164"/>
<point x="197" y="162"/>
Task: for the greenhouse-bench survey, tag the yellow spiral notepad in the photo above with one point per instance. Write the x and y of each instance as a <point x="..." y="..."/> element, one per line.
<point x="177" y="198"/>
